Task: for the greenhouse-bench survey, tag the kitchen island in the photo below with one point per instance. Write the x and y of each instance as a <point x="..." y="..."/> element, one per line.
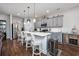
<point x="43" y="36"/>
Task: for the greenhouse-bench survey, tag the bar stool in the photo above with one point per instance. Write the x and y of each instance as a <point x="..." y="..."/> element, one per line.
<point x="19" y="36"/>
<point x="22" y="37"/>
<point x="28" y="39"/>
<point x="36" y="45"/>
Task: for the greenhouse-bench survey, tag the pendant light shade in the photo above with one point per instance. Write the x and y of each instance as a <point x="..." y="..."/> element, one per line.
<point x="28" y="20"/>
<point x="58" y="11"/>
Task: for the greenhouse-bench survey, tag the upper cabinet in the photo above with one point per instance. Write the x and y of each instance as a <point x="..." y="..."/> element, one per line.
<point x="60" y="21"/>
<point x="54" y="22"/>
<point x="57" y="21"/>
<point x="38" y="23"/>
<point x="49" y="23"/>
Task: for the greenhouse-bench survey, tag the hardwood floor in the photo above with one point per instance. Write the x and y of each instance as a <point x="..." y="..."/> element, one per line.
<point x="14" y="48"/>
<point x="69" y="50"/>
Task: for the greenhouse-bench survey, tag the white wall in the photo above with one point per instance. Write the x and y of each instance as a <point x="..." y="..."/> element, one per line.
<point x="70" y="19"/>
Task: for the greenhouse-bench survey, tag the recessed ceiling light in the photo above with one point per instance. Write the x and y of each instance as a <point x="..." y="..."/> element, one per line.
<point x="47" y="11"/>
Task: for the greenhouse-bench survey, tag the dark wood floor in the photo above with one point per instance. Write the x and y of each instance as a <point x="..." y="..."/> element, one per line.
<point x="69" y="50"/>
<point x="14" y="48"/>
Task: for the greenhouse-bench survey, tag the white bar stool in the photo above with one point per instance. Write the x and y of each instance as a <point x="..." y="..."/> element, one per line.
<point x="22" y="37"/>
<point x="28" y="39"/>
<point x="36" y="45"/>
<point x="19" y="36"/>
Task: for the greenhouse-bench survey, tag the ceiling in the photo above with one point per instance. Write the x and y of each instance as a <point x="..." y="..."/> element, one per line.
<point x="17" y="9"/>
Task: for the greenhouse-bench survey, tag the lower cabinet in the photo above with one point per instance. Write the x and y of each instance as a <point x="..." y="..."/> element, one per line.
<point x="71" y="39"/>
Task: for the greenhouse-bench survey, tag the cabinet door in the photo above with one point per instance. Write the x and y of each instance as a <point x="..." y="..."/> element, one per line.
<point x="65" y="38"/>
<point x="44" y="21"/>
<point x="60" y="21"/>
<point x="38" y="23"/>
<point x="54" y="22"/>
<point x="49" y="23"/>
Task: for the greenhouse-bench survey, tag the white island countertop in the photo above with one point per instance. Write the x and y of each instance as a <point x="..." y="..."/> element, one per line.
<point x="38" y="33"/>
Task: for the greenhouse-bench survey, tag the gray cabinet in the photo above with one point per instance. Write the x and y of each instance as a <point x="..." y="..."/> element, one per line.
<point x="49" y="23"/>
<point x="44" y="21"/>
<point x="60" y="21"/>
<point x="56" y="21"/>
<point x="38" y="24"/>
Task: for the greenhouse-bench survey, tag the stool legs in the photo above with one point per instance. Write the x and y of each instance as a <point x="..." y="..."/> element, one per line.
<point x="34" y="52"/>
<point x="22" y="42"/>
<point x="28" y="45"/>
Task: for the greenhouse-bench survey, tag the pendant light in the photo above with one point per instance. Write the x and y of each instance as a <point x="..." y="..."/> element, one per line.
<point x="28" y="19"/>
<point x="34" y="20"/>
<point x="58" y="12"/>
<point x="24" y="16"/>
